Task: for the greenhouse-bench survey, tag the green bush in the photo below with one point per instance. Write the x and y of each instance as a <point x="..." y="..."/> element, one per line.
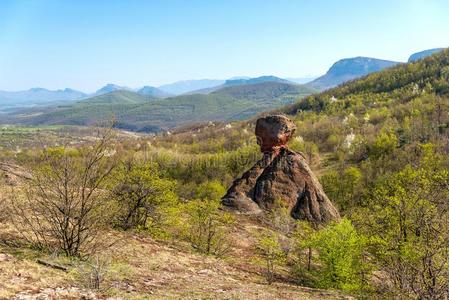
<point x="142" y="196"/>
<point x="208" y="228"/>
<point x="270" y="254"/>
<point x="210" y="190"/>
<point x="340" y="257"/>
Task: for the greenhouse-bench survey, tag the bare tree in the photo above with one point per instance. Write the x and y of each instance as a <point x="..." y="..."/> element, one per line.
<point x="63" y="206"/>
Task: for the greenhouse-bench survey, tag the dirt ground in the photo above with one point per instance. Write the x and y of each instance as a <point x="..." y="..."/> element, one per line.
<point x="140" y="267"/>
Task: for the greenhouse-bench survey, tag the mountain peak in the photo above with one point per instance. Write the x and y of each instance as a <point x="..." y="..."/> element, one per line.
<point x="110" y="87"/>
<point x="423" y="54"/>
<point x="38" y="89"/>
<point x="266" y="78"/>
<point x="350" y="68"/>
<point x="359" y="65"/>
<point x="153" y="91"/>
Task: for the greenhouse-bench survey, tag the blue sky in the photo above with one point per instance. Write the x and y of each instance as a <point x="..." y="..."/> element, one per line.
<point x="86" y="44"/>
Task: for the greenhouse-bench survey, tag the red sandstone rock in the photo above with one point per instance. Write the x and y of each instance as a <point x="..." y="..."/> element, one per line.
<point x="273" y="132"/>
<point x="281" y="174"/>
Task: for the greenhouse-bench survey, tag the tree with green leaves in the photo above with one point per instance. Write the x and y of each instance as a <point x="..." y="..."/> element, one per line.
<point x="208" y="228"/>
<point x="210" y="190"/>
<point x="408" y="222"/>
<point x="141" y="194"/>
<point x="270" y="252"/>
<point x="344" y="188"/>
<point x="384" y="144"/>
<point x="340" y="257"/>
<point x="301" y="237"/>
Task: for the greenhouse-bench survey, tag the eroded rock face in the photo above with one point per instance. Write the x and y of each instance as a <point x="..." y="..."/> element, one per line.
<point x="281" y="174"/>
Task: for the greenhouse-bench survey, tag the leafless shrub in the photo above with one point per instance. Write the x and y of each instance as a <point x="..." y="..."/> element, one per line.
<point x="63" y="207"/>
<point x="93" y="273"/>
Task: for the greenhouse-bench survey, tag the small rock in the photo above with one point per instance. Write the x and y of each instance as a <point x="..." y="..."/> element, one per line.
<point x="5" y="257"/>
<point x="205" y="272"/>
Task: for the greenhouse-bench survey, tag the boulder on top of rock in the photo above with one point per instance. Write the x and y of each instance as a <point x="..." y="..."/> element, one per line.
<point x="273" y="132"/>
<point x="282" y="175"/>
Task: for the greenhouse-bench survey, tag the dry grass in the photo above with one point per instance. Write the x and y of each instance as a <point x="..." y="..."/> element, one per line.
<point x="145" y="268"/>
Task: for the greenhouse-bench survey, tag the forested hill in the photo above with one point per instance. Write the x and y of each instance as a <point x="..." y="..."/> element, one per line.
<point x="122" y="97"/>
<point x="245" y="82"/>
<point x="402" y="82"/>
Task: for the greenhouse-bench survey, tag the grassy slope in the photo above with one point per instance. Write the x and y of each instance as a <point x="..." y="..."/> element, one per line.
<point x="144" y="268"/>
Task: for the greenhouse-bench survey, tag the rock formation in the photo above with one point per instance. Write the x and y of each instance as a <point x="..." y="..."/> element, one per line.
<point x="282" y="175"/>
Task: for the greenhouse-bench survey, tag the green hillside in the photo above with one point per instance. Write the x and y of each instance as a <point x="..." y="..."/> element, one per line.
<point x="92" y="111"/>
<point x="403" y="83"/>
<point x="133" y="111"/>
<point x="118" y="97"/>
<point x="266" y="90"/>
<point x="380" y="146"/>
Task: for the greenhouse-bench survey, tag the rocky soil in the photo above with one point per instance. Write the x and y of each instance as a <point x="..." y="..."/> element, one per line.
<point x="143" y="268"/>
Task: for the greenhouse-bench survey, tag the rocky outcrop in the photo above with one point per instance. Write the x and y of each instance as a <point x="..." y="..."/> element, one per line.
<point x="282" y="175"/>
<point x="13" y="173"/>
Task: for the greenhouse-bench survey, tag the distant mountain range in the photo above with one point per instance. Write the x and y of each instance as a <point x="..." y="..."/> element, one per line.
<point x="146" y="90"/>
<point x="38" y="96"/>
<point x="241" y="81"/>
<point x="186" y="86"/>
<point x="134" y="111"/>
<point x="352" y="68"/>
<point x="155" y="108"/>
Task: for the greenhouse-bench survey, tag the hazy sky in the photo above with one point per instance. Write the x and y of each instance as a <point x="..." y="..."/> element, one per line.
<point x="86" y="44"/>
